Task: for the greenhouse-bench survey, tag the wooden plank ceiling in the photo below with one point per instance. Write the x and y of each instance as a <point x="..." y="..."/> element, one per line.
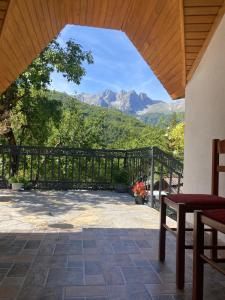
<point x="163" y="31"/>
<point x="199" y="16"/>
<point x="3" y="9"/>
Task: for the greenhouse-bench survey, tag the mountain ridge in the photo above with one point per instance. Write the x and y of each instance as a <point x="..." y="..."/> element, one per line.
<point x="131" y="102"/>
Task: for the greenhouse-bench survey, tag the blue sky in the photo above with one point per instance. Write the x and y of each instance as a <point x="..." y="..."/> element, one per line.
<point x="117" y="64"/>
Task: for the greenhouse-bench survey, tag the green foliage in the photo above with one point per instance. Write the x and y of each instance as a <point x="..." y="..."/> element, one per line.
<point x="18" y="178"/>
<point x="57" y="119"/>
<point x="176" y="140"/>
<point x="33" y="118"/>
<point x="23" y="102"/>
<point x="161" y="119"/>
<point x="120" y="175"/>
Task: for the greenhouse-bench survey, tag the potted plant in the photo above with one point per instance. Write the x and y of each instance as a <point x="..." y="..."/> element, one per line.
<point x="140" y="193"/>
<point x="120" y="180"/>
<point x="17" y="182"/>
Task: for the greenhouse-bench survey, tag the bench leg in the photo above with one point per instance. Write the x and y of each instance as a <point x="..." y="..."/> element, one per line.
<point x="198" y="264"/>
<point x="162" y="231"/>
<point x="214" y="242"/>
<point x="180" y="251"/>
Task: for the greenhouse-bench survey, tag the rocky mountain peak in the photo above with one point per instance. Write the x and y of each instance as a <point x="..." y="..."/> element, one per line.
<point x="129" y="102"/>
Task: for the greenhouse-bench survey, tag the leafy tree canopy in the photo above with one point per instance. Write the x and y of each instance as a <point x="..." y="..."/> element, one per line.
<point x="17" y="104"/>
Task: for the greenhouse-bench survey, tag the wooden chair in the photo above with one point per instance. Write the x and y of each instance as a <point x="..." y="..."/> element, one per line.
<point x="215" y="219"/>
<point x="188" y="203"/>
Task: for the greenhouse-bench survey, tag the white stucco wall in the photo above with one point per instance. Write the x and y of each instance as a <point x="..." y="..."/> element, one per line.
<point x="205" y="115"/>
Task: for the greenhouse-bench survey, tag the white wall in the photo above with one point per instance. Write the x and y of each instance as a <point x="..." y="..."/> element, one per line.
<point x="205" y="115"/>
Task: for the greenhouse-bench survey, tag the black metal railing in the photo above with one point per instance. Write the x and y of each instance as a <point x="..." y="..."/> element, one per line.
<point x="69" y="168"/>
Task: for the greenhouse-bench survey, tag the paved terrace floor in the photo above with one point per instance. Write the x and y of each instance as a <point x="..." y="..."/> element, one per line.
<point x="87" y="246"/>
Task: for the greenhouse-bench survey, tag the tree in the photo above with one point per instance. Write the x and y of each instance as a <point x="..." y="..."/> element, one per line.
<point x="17" y="107"/>
<point x="77" y="129"/>
<point x="33" y="118"/>
<point x="176" y="140"/>
<point x="16" y="99"/>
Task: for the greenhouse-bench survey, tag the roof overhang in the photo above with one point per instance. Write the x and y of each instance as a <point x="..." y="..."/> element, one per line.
<point x="171" y="35"/>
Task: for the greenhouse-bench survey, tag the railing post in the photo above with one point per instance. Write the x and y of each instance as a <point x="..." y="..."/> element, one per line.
<point x="125" y="161"/>
<point x="161" y="182"/>
<point x="152" y="178"/>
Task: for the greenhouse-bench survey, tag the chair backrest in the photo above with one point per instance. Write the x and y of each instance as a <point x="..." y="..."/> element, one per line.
<point x="218" y="147"/>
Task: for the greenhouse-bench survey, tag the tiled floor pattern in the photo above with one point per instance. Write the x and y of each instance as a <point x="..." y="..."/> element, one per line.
<point x="87" y="246"/>
<point x="93" y="264"/>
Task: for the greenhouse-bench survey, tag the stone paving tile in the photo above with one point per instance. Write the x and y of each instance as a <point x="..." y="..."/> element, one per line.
<point x="140" y="275"/>
<point x="93" y="268"/>
<point x="161" y="268"/>
<point x="104" y="247"/>
<point x="163" y="297"/>
<point x="19" y="243"/>
<point x="38" y="293"/>
<point x="10" y="287"/>
<point x="13" y="281"/>
<point x="129" y="292"/>
<point x="89" y="244"/>
<point x="47" y="248"/>
<point x="142" y="262"/>
<point x="5" y="265"/>
<point x="68" y="249"/>
<point x="164" y="289"/>
<point x="121" y="260"/>
<point x="88" y="291"/>
<point x="3" y="272"/>
<point x="96" y="298"/>
<point x="26" y="252"/>
<point x="51" y="261"/>
<point x="87" y="298"/>
<point x="77" y="298"/>
<point x="113" y="276"/>
<point x="65" y="276"/>
<point x="94" y="280"/>
<point x="8" y="292"/>
<point x="32" y="244"/>
<point x="19" y="270"/>
<point x="75" y="264"/>
<point x="125" y="247"/>
<point x="36" y="277"/>
<point x="143" y="244"/>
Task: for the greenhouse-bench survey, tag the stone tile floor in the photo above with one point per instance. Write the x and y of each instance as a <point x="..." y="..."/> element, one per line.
<point x="87" y="246"/>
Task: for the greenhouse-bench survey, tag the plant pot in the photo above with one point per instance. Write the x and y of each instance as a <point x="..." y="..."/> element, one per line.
<point x="121" y="188"/>
<point x="139" y="200"/>
<point x="17" y="186"/>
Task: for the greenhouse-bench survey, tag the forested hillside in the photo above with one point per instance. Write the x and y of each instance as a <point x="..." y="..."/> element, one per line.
<point x="56" y="119"/>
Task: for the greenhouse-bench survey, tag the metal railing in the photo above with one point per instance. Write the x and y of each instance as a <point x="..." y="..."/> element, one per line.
<point x="69" y="168"/>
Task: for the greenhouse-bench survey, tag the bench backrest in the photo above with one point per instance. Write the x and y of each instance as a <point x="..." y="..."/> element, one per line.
<point x="218" y="148"/>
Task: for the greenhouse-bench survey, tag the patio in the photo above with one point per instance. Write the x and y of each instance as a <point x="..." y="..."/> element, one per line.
<point x="86" y="245"/>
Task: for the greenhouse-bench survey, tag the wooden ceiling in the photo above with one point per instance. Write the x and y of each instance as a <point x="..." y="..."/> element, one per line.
<point x="3" y="9"/>
<point x="169" y="34"/>
<point x="199" y="17"/>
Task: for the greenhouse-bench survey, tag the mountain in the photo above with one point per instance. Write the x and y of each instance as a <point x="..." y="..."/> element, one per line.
<point x="130" y="102"/>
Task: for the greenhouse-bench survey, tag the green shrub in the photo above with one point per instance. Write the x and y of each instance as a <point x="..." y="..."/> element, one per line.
<point x="120" y="176"/>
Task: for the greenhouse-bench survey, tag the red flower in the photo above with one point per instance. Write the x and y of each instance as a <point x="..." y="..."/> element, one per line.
<point x="139" y="189"/>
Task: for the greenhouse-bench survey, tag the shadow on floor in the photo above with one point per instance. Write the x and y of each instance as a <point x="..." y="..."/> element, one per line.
<point x="60" y="202"/>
